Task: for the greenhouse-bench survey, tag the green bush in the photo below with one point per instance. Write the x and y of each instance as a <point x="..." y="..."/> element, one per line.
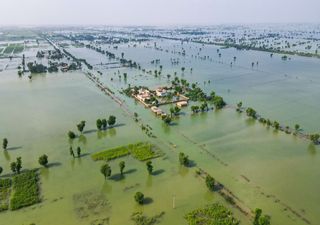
<point x="212" y="214"/>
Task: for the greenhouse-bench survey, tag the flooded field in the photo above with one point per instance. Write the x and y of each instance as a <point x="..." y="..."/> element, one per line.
<point x="262" y="167"/>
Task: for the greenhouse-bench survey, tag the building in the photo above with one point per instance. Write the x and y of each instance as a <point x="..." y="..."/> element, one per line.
<point x="161" y="92"/>
<point x="158" y="111"/>
<point x="143" y="95"/>
<point x="182" y="104"/>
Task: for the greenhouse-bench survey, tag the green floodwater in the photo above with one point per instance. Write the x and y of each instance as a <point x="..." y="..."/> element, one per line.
<point x="265" y="169"/>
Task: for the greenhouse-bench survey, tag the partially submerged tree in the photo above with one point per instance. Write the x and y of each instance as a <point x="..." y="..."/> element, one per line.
<point x="81" y="126"/>
<point x="43" y="160"/>
<point x="71" y="151"/>
<point x="5" y="143"/>
<point x="105" y="170"/>
<point x="18" y="164"/>
<point x="167" y="119"/>
<point x="13" y="167"/>
<point x="78" y="152"/>
<point x="99" y="124"/>
<point x="183" y="159"/>
<point x="111" y="120"/>
<point x="251" y="112"/>
<point x="104" y="124"/>
<point x="218" y="102"/>
<point x="260" y="219"/>
<point x="315" y="138"/>
<point x="71" y="135"/>
<point x="139" y="197"/>
<point x="210" y="182"/>
<point x="149" y="167"/>
<point x="122" y="165"/>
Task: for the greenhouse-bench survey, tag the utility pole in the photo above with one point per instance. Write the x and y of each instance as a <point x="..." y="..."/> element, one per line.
<point x="173" y="201"/>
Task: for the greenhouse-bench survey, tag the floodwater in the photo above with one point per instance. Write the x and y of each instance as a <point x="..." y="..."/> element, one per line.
<point x="263" y="168"/>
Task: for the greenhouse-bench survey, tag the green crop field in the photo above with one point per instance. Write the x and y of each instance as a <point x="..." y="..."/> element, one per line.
<point x="141" y="151"/>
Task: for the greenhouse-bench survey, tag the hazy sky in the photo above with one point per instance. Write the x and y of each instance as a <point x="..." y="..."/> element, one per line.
<point x="156" y="12"/>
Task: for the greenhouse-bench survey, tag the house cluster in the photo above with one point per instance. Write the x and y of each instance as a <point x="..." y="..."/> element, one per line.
<point x="143" y="95"/>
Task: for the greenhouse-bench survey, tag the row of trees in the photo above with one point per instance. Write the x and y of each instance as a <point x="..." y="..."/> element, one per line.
<point x="315" y="138"/>
<point x="106" y="169"/>
<point x="17" y="165"/>
<point x="101" y="124"/>
<point x="78" y="150"/>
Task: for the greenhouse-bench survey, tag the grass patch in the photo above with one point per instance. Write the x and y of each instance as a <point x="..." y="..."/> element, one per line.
<point x="5" y="189"/>
<point x="111" y="153"/>
<point x="141" y="151"/>
<point x="25" y="190"/>
<point x="214" y="214"/>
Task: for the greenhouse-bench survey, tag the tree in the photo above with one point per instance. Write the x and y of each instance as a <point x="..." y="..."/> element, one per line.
<point x="268" y="122"/>
<point x="43" y="160"/>
<point x="13" y="167"/>
<point x="79" y="152"/>
<point x="212" y="94"/>
<point x="111" y="120"/>
<point x="1" y="170"/>
<point x="315" y="138"/>
<point x="105" y="170"/>
<point x="251" y="112"/>
<point x="218" y="102"/>
<point x="99" y="124"/>
<point x="5" y="143"/>
<point x="183" y="69"/>
<point x="183" y="159"/>
<point x="210" y="182"/>
<point x="258" y="213"/>
<point x="122" y="165"/>
<point x="149" y="167"/>
<point x="204" y="106"/>
<point x="171" y="111"/>
<point x="194" y="108"/>
<point x="139" y="197"/>
<point x="71" y="151"/>
<point x="104" y="124"/>
<point x="71" y="135"/>
<point x="276" y="125"/>
<point x="297" y="127"/>
<point x="81" y="126"/>
<point x="18" y="165"/>
<point x="239" y="105"/>
<point x="176" y="110"/>
<point x="260" y="219"/>
<point x="167" y="119"/>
